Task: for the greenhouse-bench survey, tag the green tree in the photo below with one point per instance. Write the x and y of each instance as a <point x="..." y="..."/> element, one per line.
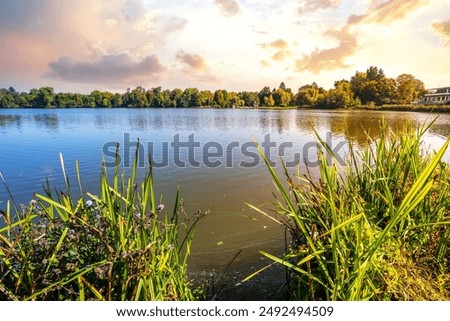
<point x="44" y="98"/>
<point x="308" y="95"/>
<point x="269" y="101"/>
<point x="163" y="99"/>
<point x="175" y="96"/>
<point x="221" y="98"/>
<point x="282" y="97"/>
<point x="250" y="99"/>
<point x="206" y="98"/>
<point x="263" y="94"/>
<point x="339" y="97"/>
<point x="6" y="99"/>
<point x="373" y="86"/>
<point x="409" y="88"/>
<point x="234" y="100"/>
<point x="117" y="100"/>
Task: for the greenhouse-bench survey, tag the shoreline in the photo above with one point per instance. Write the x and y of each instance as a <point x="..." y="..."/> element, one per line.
<point x="411" y="108"/>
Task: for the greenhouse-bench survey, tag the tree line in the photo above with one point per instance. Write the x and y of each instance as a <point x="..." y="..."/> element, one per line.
<point x="371" y="87"/>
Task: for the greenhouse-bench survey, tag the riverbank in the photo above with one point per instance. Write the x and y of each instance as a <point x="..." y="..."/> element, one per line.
<point x="412" y="107"/>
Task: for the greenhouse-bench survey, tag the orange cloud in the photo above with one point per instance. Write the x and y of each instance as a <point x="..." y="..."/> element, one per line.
<point x="281" y="55"/>
<point x="228" y="7"/>
<point x="334" y="58"/>
<point x="277" y="44"/>
<point x="282" y="49"/>
<point x="193" y="61"/>
<point x="195" y="66"/>
<point x="387" y="12"/>
<point x="331" y="58"/>
<point x="393" y="10"/>
<point x="308" y="6"/>
<point x="443" y="28"/>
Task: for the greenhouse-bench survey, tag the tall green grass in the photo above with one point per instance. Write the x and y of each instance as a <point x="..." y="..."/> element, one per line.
<point x="375" y="229"/>
<point x="119" y="245"/>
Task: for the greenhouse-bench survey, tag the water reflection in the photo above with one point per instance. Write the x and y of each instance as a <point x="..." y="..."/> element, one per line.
<point x="280" y="122"/>
<point x="356" y="126"/>
<point x="306" y="122"/>
<point x="10" y="120"/>
<point x="48" y="121"/>
<point x="139" y="122"/>
<point x="103" y="121"/>
<point x="440" y="129"/>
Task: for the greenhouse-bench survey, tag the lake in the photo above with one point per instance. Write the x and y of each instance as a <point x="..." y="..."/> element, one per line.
<point x="209" y="153"/>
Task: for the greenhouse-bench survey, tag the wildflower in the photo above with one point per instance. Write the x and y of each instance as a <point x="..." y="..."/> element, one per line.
<point x="89" y="203"/>
<point x="33" y="203"/>
<point x="160" y="208"/>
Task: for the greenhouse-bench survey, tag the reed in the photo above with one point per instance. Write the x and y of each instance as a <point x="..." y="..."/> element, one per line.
<point x="119" y="245"/>
<point x="375" y="229"/>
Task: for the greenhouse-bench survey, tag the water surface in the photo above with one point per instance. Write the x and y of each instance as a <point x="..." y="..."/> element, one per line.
<point x="32" y="139"/>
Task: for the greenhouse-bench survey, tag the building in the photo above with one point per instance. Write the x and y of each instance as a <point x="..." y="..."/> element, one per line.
<point x="436" y="96"/>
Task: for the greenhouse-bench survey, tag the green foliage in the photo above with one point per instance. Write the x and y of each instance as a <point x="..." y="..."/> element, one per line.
<point x="309" y="95"/>
<point x="120" y="245"/>
<point x="409" y="88"/>
<point x="376" y="229"/>
<point x="371" y="87"/>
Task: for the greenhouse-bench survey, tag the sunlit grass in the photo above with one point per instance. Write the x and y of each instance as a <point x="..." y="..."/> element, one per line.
<point x="375" y="229"/>
<point x="119" y="245"/>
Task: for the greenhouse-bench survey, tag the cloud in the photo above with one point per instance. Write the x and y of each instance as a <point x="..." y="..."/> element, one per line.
<point x="331" y="58"/>
<point x="334" y="58"/>
<point x="264" y="63"/>
<point x="388" y="11"/>
<point x="193" y="61"/>
<point x="195" y="66"/>
<point x="443" y="28"/>
<point x="278" y="44"/>
<point x="228" y="7"/>
<point x="282" y="50"/>
<point x="133" y="10"/>
<point x="393" y="10"/>
<point x="308" y="6"/>
<point x="173" y="24"/>
<point x="107" y="69"/>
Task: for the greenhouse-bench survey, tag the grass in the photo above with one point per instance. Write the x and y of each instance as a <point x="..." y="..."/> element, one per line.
<point x="120" y="245"/>
<point x="441" y="108"/>
<point x="376" y="229"/>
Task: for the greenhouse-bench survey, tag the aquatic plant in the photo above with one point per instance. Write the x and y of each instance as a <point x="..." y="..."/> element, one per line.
<point x="120" y="245"/>
<point x="375" y="229"/>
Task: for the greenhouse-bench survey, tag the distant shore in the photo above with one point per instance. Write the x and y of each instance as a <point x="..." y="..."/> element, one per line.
<point x="411" y="107"/>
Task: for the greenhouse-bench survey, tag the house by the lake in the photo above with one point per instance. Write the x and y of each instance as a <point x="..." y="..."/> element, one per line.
<point x="436" y="96"/>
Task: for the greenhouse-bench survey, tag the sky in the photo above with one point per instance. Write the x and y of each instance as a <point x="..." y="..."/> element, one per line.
<point x="83" y="45"/>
